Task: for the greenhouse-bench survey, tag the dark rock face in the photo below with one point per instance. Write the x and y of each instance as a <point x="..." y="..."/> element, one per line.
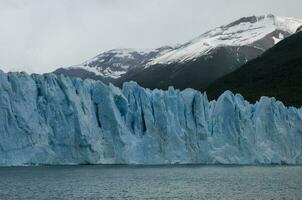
<point x="252" y="19"/>
<point x="268" y="41"/>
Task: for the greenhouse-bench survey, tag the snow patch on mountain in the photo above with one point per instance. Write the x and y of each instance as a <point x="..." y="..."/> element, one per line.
<point x="278" y="39"/>
<point x="114" y="63"/>
<point x="299" y="29"/>
<point x="111" y="72"/>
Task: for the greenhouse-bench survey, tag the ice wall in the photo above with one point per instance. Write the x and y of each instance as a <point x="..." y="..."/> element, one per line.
<point x="48" y="119"/>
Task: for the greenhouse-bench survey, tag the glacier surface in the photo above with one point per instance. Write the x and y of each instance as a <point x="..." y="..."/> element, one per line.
<point x="48" y="119"/>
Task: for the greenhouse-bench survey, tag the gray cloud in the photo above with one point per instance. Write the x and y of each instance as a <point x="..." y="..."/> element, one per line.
<point x="39" y="36"/>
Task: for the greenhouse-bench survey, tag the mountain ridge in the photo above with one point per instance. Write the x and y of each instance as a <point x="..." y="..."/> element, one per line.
<point x="244" y="31"/>
<point x="113" y="65"/>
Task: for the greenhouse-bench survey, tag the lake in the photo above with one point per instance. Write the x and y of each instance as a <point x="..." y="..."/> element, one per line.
<point x="151" y="182"/>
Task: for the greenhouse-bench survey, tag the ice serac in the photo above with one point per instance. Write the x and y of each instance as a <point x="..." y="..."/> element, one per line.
<point x="48" y="119"/>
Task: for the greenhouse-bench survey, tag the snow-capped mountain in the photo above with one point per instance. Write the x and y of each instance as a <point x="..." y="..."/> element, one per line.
<point x="194" y="64"/>
<point x="113" y="64"/>
<point x="247" y="31"/>
<point x="214" y="54"/>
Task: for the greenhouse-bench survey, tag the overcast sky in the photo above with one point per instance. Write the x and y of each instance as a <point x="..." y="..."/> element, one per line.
<point x="42" y="35"/>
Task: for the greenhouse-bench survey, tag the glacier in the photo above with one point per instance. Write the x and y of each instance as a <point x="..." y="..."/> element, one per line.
<point x="53" y="120"/>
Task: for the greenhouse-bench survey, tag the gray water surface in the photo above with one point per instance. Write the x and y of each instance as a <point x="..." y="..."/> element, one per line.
<point x="151" y="182"/>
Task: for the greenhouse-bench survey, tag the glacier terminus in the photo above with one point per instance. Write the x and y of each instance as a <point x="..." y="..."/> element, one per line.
<point x="49" y="119"/>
